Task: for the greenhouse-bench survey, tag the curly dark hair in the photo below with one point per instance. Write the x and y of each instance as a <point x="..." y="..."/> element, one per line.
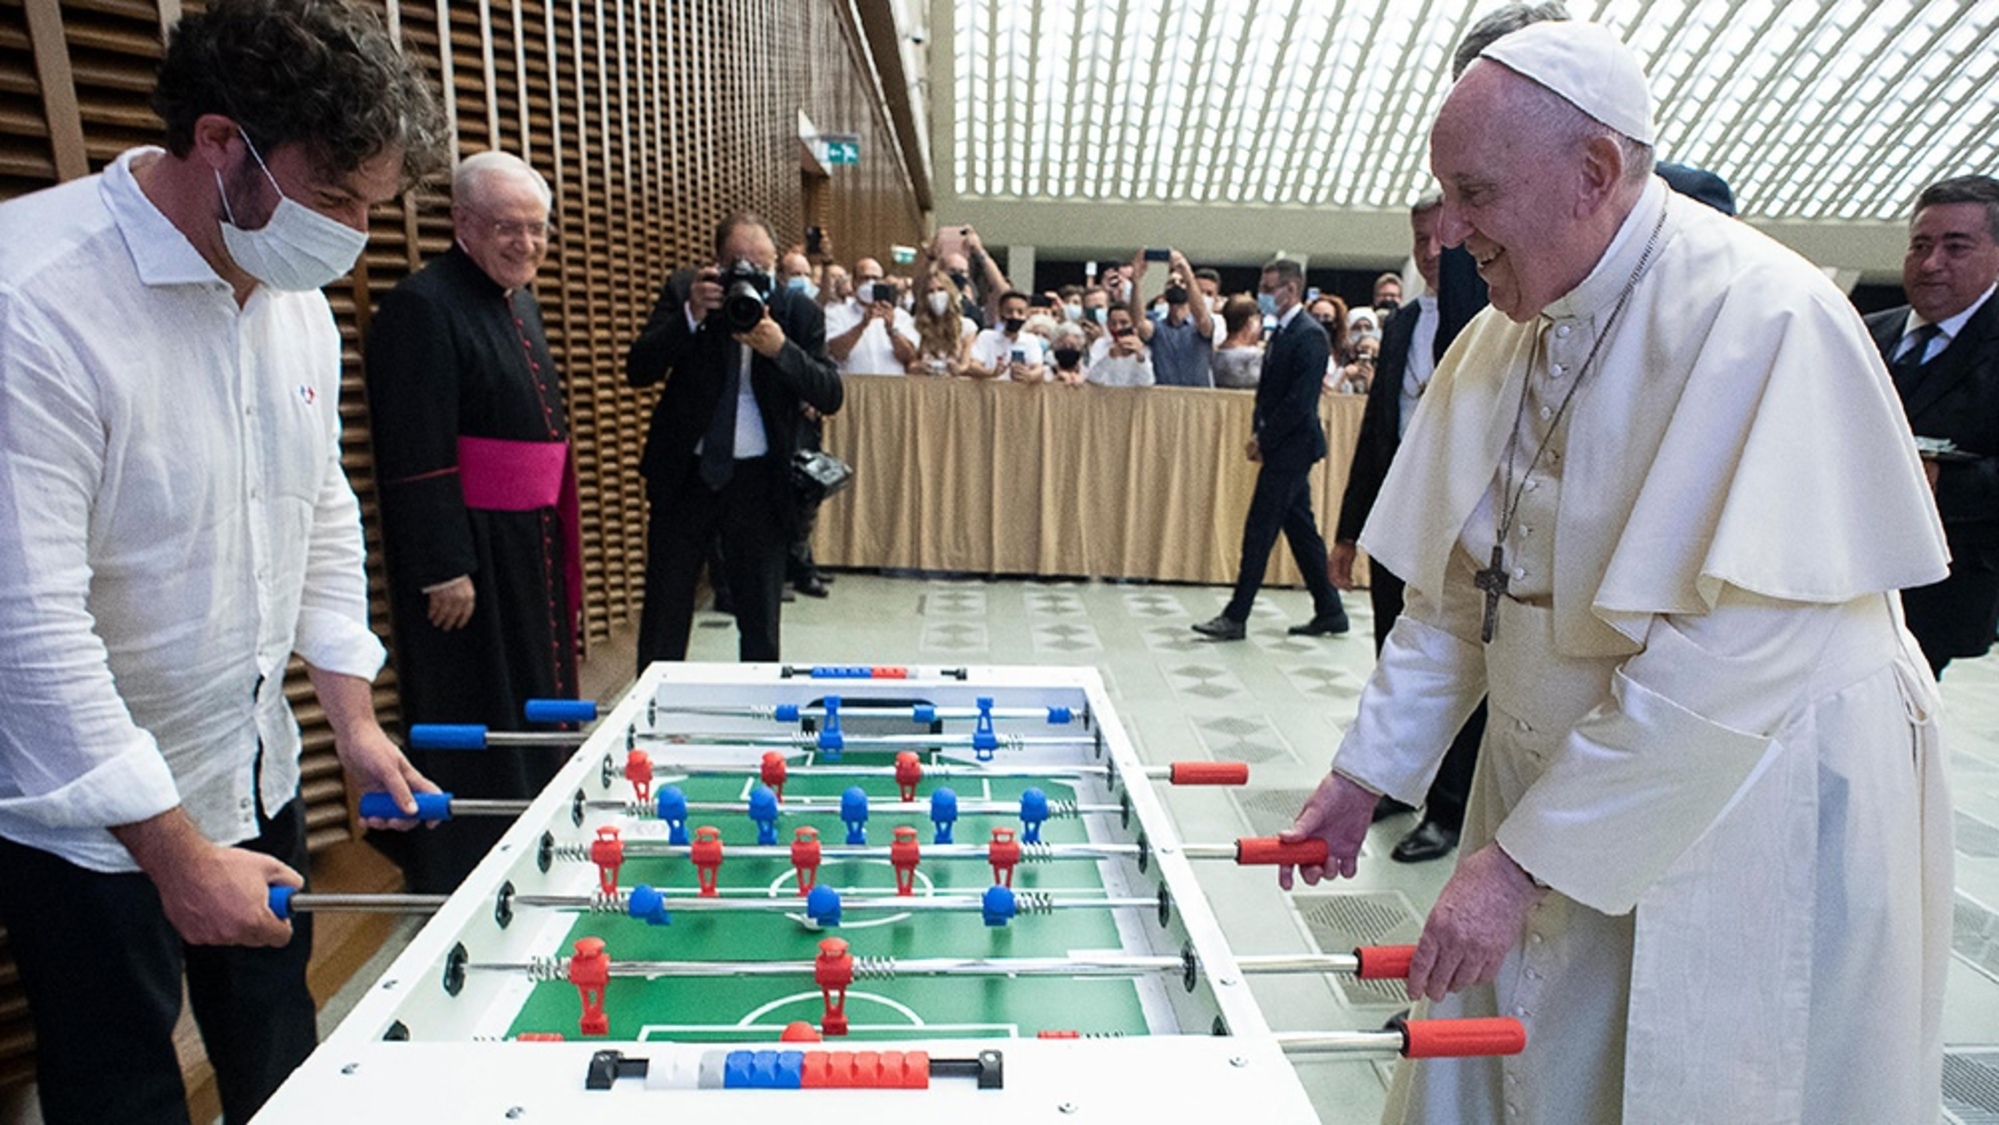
<point x="321" y="73"/>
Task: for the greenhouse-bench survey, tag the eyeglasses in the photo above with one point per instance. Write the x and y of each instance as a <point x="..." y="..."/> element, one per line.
<point x="511" y="229"/>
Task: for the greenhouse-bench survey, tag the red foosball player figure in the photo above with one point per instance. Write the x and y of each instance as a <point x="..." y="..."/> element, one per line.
<point x="607" y="851"/>
<point x="638" y="771"/>
<point x="908" y="771"/>
<point x="903" y="855"/>
<point x="590" y="972"/>
<point x="1004" y="855"/>
<point x="775" y="771"/>
<point x="805" y="858"/>
<point x="707" y="855"/>
<point x="834" y="971"/>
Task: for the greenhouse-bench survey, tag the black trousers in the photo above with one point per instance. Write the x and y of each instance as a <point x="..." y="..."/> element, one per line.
<point x="1451" y="788"/>
<point x="1955" y="617"/>
<point x="102" y="968"/>
<point x="756" y="538"/>
<point x="1282" y="502"/>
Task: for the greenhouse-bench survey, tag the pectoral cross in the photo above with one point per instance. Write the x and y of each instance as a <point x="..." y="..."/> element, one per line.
<point x="1492" y="580"/>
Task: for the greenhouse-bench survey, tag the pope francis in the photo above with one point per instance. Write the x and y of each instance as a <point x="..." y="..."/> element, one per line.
<point x="1664" y="497"/>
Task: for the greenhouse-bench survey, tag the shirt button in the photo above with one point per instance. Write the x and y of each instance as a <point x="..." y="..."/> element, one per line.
<point x="1534" y="939"/>
<point x="1521" y="725"/>
<point x="1519" y="572"/>
<point x="1563" y="331"/>
<point x="1525" y="532"/>
<point x="1530" y="484"/>
<point x="1547" y="412"/>
<point x="1560" y="370"/>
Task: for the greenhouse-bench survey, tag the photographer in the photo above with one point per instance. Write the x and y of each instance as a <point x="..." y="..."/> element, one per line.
<point x="869" y="333"/>
<point x="739" y="358"/>
<point x="1121" y="358"/>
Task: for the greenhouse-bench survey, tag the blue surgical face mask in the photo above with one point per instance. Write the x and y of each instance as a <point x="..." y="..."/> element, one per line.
<point x="298" y="249"/>
<point x="1266" y="303"/>
<point x="803" y="284"/>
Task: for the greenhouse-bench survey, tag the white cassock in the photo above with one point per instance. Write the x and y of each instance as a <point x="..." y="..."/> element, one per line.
<point x="1709" y="732"/>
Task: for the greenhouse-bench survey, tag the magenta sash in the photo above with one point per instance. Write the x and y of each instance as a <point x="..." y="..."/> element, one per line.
<point x="511" y="476"/>
<point x="497" y="475"/>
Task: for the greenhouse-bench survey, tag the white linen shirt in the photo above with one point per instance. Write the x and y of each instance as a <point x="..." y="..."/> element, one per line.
<point x="174" y="524"/>
<point x="874" y="352"/>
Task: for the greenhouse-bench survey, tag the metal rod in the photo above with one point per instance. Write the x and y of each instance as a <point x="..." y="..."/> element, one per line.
<point x="1340" y="1042"/>
<point x="850" y="709"/>
<point x="801" y="806"/>
<point x="853" y="741"/>
<point x="930" y="770"/>
<point x="876" y="903"/>
<point x="369" y="904"/>
<point x="1029" y="853"/>
<point x="886" y="968"/>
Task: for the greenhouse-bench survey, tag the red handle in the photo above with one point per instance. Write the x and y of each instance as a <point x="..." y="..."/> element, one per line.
<point x="1209" y="773"/>
<point x="1385" y="962"/>
<point x="1451" y="1039"/>
<point x="1268" y="850"/>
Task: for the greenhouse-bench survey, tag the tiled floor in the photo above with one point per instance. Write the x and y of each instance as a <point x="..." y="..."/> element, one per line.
<point x="1280" y="702"/>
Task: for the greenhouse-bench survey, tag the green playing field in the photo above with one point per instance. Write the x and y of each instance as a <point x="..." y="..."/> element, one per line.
<point x="756" y="1008"/>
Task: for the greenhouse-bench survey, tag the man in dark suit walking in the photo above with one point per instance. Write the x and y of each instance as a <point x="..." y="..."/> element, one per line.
<point x="1412" y="341"/>
<point x="719" y="450"/>
<point x="1942" y="349"/>
<point x="1288" y="441"/>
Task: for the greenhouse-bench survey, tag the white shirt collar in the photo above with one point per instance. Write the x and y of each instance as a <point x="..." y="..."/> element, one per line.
<point x="1950" y="325"/>
<point x="161" y="254"/>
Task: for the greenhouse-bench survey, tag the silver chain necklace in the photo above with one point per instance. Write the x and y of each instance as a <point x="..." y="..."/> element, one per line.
<point x="1493" y="580"/>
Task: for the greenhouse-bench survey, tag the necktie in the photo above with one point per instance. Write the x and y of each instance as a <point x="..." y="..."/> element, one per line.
<point x="1907" y="369"/>
<point x="718" y="448"/>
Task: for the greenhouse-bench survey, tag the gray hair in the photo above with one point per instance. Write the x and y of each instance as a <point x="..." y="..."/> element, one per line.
<point x="470" y="179"/>
<point x="1549" y="114"/>
<point x="1428" y="201"/>
<point x="1982" y="190"/>
<point x="1498" y="24"/>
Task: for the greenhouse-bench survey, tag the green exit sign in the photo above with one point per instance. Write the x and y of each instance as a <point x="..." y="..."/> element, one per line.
<point x="842" y="150"/>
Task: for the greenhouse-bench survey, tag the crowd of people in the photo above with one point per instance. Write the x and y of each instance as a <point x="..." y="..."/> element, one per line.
<point x="1706" y="686"/>
<point x="963" y="317"/>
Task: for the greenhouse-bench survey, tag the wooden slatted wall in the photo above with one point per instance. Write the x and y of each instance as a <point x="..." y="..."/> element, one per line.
<point x="651" y="120"/>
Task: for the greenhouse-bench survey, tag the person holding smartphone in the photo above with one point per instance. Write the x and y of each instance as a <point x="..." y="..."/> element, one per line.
<point x="1182" y="335"/>
<point x="1121" y="357"/>
<point x="1006" y="351"/>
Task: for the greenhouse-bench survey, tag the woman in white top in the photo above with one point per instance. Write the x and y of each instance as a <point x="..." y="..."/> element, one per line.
<point x="942" y="332"/>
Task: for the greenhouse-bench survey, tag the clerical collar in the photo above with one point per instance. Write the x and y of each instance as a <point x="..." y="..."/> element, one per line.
<point x="1607" y="281"/>
<point x="1950" y="326"/>
<point x="473" y="271"/>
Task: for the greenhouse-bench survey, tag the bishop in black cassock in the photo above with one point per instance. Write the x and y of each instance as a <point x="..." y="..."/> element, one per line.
<point x="476" y="479"/>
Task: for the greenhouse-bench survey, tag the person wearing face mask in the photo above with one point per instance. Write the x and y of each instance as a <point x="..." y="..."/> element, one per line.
<point x="478" y="500"/>
<point x="1287" y="441"/>
<point x="1067" y="352"/>
<point x="1121" y="358"/>
<point x="943" y="333"/>
<point x="179" y="527"/>
<point x="794" y="271"/>
<point x="870" y="334"/>
<point x="1331" y="313"/>
<point x="1181" y="335"/>
<point x="1008" y="351"/>
<point x="718" y="452"/>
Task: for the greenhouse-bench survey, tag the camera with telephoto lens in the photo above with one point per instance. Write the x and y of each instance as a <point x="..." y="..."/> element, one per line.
<point x="745" y="292"/>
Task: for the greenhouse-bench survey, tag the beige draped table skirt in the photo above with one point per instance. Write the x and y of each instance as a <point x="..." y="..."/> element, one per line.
<point x="1096" y="482"/>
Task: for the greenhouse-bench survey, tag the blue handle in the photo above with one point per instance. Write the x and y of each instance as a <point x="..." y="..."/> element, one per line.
<point x="1060" y="716"/>
<point x="786" y="713"/>
<point x="561" y="711"/>
<point x="281" y="902"/>
<point x="925" y="713"/>
<point x="447" y="736"/>
<point x="429" y="806"/>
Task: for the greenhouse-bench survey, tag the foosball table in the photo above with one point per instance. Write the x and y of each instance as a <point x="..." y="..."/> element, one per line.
<point x="839" y="892"/>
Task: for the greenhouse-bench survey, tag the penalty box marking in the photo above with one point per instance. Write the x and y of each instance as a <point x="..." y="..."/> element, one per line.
<point x="750" y="1022"/>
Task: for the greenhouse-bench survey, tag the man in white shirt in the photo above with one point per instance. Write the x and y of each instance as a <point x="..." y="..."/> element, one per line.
<point x="1006" y="351"/>
<point x="179" y="526"/>
<point x="869" y="333"/>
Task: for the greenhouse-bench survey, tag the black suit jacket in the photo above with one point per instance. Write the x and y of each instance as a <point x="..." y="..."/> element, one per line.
<point x="1956" y="396"/>
<point x="696" y="365"/>
<point x="1380" y="424"/>
<point x="1288" y="433"/>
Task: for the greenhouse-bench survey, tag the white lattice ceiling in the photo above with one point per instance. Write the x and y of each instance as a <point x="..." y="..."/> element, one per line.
<point x="1811" y="109"/>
